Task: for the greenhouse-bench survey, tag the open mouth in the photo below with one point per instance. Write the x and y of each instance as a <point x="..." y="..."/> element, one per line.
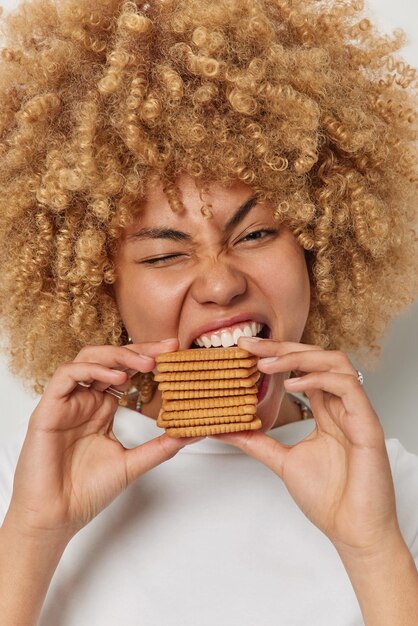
<point x="227" y="337"/>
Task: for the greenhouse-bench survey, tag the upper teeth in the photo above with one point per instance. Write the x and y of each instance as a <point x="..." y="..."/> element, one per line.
<point x="228" y="336"/>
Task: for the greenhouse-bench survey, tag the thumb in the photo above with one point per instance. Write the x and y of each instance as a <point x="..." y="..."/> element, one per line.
<point x="265" y="449"/>
<point x="148" y="455"/>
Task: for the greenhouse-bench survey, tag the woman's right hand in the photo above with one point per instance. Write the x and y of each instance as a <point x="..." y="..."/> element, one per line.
<point x="71" y="465"/>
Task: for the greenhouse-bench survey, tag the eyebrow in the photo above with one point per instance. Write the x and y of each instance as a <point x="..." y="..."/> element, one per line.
<point x="241" y="213"/>
<point x="178" y="235"/>
<point x="160" y="233"/>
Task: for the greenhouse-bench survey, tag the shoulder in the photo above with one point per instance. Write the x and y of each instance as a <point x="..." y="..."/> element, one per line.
<point x="402" y="462"/>
<point x="404" y="466"/>
<point x="10" y="448"/>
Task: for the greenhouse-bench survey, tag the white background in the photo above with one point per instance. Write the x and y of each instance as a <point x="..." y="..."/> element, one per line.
<point x="392" y="387"/>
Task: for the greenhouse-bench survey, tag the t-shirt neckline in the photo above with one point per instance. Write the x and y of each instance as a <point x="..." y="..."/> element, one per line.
<point x="145" y="428"/>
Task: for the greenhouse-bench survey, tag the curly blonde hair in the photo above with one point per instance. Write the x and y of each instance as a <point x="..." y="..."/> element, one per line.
<point x="303" y="100"/>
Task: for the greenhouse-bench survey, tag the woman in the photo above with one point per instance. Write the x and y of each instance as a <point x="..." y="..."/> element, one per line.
<point x="173" y="172"/>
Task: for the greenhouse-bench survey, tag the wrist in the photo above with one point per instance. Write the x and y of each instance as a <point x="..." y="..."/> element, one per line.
<point x="54" y="541"/>
<point x="385" y="581"/>
<point x="383" y="550"/>
<point x="28" y="560"/>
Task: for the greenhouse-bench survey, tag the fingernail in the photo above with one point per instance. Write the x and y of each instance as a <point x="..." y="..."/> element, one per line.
<point x="292" y="381"/>
<point x="267" y="360"/>
<point x="251" y="339"/>
<point x="145" y="357"/>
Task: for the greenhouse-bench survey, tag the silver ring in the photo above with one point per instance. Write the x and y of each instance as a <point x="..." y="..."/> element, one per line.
<point x="115" y="392"/>
<point x="360" y="377"/>
<point x="110" y="390"/>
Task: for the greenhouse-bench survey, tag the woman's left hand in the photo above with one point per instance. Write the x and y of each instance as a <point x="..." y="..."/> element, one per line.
<point x="339" y="475"/>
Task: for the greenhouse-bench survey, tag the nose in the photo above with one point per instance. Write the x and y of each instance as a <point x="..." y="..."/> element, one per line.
<point x="218" y="282"/>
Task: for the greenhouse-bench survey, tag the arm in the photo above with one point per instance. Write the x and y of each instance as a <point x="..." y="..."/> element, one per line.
<point x="386" y="584"/>
<point x="70" y="468"/>
<point x="350" y="494"/>
<point x="27" y="564"/>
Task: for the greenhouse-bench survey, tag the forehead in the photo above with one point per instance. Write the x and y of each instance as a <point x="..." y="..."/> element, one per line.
<point x="222" y="200"/>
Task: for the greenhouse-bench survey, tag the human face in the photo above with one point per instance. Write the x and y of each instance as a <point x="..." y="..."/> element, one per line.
<point x="186" y="276"/>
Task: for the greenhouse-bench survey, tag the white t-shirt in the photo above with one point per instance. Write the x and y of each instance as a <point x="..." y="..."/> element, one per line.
<point x="211" y="537"/>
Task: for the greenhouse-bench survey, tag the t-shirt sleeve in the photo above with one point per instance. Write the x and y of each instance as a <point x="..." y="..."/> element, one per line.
<point x="405" y="477"/>
<point x="9" y="454"/>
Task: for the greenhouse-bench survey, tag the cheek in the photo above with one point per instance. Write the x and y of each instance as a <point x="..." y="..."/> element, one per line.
<point x="284" y="279"/>
<point x="296" y="286"/>
<point x="149" y="305"/>
<point x="296" y="304"/>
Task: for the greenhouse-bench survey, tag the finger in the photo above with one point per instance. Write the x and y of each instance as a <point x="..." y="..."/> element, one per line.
<point x="149" y="349"/>
<point x="344" y="386"/>
<point x="130" y="358"/>
<point x="116" y="390"/>
<point x="270" y="347"/>
<point x="66" y="377"/>
<point x="258" y="445"/>
<point x="117" y="357"/>
<point x="153" y="348"/>
<point x="148" y="455"/>
<point x="308" y="361"/>
<point x="358" y="419"/>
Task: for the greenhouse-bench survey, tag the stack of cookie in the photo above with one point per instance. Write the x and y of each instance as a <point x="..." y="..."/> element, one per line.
<point x="207" y="391"/>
